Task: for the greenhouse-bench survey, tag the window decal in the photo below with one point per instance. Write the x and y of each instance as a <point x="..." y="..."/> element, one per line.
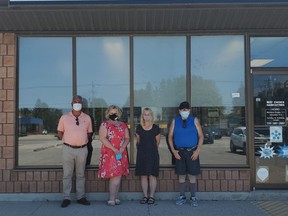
<point x="267" y="152"/>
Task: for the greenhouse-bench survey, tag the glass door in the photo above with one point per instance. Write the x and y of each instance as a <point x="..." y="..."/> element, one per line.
<point x="270" y="102"/>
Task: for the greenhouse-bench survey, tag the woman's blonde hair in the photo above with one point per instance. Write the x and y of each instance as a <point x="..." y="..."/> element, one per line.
<point x="119" y="112"/>
<point x="142" y="121"/>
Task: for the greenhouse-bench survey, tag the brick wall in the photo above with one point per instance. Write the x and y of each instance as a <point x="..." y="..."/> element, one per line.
<point x="7" y="108"/>
<point x="37" y="181"/>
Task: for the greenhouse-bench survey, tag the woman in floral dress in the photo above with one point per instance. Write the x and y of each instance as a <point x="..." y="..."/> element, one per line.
<point x="114" y="136"/>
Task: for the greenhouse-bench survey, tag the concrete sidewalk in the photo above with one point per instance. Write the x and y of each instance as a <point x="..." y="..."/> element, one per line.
<point x="132" y="208"/>
<point x="210" y="203"/>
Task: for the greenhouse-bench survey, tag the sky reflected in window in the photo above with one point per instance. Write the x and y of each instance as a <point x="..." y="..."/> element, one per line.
<point x="103" y="70"/>
<point x="160" y="71"/>
<point x="217" y="70"/>
<point x="269" y="52"/>
<point x="45" y="71"/>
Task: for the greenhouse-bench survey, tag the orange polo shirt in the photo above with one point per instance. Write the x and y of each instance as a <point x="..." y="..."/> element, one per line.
<point x="75" y="135"/>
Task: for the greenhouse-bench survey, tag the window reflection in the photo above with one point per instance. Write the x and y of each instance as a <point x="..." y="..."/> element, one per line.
<point x="45" y="86"/>
<point x="159" y="82"/>
<point x="218" y="94"/>
<point x="269" y="51"/>
<point x="45" y="89"/>
<point x="270" y="99"/>
<point x="102" y="79"/>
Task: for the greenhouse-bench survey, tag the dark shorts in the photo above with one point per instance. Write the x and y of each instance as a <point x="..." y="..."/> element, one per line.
<point x="186" y="165"/>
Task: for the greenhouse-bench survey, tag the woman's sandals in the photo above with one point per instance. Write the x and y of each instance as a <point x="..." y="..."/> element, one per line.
<point x="151" y="200"/>
<point x="113" y="202"/>
<point x="147" y="200"/>
<point x="144" y="200"/>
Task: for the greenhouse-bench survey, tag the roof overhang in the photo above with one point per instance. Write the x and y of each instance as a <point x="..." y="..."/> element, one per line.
<point x="139" y="18"/>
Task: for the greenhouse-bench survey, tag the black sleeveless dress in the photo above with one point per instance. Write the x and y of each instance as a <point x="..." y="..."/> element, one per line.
<point x="147" y="162"/>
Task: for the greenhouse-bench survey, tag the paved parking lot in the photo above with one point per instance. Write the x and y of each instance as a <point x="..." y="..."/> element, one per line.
<point x="46" y="150"/>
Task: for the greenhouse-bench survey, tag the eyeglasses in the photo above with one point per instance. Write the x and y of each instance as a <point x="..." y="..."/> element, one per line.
<point x="184" y="123"/>
<point x="77" y="121"/>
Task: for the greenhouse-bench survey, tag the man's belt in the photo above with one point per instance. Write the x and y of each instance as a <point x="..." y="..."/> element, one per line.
<point x="186" y="148"/>
<point x="75" y="147"/>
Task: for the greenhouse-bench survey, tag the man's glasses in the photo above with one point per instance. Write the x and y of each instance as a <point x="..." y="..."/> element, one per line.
<point x="77" y="121"/>
<point x="184" y="123"/>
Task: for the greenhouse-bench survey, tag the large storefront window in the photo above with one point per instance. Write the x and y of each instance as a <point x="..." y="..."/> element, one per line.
<point x="159" y="82"/>
<point x="103" y="79"/>
<point x="47" y="80"/>
<point x="45" y="89"/>
<point x="218" y="95"/>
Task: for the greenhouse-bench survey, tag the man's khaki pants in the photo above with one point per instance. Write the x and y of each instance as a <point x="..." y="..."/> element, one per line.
<point x="74" y="158"/>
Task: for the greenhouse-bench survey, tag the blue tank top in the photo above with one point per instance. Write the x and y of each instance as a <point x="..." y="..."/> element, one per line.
<point x="185" y="137"/>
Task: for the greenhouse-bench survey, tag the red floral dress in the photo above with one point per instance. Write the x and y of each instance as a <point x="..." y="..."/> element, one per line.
<point x="109" y="167"/>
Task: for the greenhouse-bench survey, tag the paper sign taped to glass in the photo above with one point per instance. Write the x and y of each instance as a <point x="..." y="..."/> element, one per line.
<point x="276" y="134"/>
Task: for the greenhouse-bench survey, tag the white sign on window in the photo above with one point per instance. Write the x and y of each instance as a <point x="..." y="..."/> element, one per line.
<point x="276" y="134"/>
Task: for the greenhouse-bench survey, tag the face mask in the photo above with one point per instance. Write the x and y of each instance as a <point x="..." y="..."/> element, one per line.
<point x="77" y="106"/>
<point x="147" y="118"/>
<point x="184" y="114"/>
<point x="113" y="117"/>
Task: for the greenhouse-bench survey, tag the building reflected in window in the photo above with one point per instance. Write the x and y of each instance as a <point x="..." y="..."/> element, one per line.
<point x="218" y="93"/>
<point x="103" y="77"/>
<point x="45" y="86"/>
<point x="159" y="82"/>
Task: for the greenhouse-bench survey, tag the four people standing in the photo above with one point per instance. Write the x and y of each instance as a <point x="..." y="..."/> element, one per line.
<point x="147" y="162"/>
<point x="74" y="129"/>
<point x="185" y="140"/>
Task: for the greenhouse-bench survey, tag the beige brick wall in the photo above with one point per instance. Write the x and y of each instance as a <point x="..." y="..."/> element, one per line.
<point x="50" y="181"/>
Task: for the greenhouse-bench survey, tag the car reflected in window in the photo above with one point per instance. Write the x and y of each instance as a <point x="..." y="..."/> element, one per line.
<point x="238" y="140"/>
<point x="216" y="132"/>
<point x="208" y="135"/>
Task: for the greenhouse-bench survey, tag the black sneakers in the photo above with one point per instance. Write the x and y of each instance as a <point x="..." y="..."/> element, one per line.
<point x="83" y="201"/>
<point x="65" y="203"/>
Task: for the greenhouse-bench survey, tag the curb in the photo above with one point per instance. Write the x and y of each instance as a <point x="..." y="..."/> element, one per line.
<point x="264" y="195"/>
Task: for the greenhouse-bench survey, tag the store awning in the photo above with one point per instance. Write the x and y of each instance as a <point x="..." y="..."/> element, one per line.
<point x="145" y="18"/>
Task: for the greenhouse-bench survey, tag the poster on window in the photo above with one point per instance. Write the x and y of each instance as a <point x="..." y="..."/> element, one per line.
<point x="276" y="134"/>
<point x="275" y="115"/>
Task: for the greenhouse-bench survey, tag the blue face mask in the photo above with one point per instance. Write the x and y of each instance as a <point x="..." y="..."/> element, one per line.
<point x="184" y="114"/>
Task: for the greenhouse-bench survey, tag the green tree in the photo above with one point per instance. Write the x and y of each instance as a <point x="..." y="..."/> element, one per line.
<point x="50" y="116"/>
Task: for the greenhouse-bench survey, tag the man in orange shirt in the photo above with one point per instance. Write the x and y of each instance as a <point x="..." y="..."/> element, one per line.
<point x="74" y="129"/>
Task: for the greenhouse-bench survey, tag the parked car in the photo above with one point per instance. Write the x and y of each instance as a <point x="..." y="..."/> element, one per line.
<point x="238" y="140"/>
<point x="208" y="135"/>
<point x="216" y="132"/>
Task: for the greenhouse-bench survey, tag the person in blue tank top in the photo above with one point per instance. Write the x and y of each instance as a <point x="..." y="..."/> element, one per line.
<point x="185" y="140"/>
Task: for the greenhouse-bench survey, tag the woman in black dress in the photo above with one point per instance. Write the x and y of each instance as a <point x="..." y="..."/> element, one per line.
<point x="147" y="162"/>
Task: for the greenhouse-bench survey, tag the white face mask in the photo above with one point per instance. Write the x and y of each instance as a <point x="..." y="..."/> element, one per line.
<point x="77" y="106"/>
<point x="147" y="118"/>
<point x="184" y="114"/>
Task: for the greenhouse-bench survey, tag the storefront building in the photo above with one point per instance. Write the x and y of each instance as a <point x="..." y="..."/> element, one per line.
<point x="227" y="58"/>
